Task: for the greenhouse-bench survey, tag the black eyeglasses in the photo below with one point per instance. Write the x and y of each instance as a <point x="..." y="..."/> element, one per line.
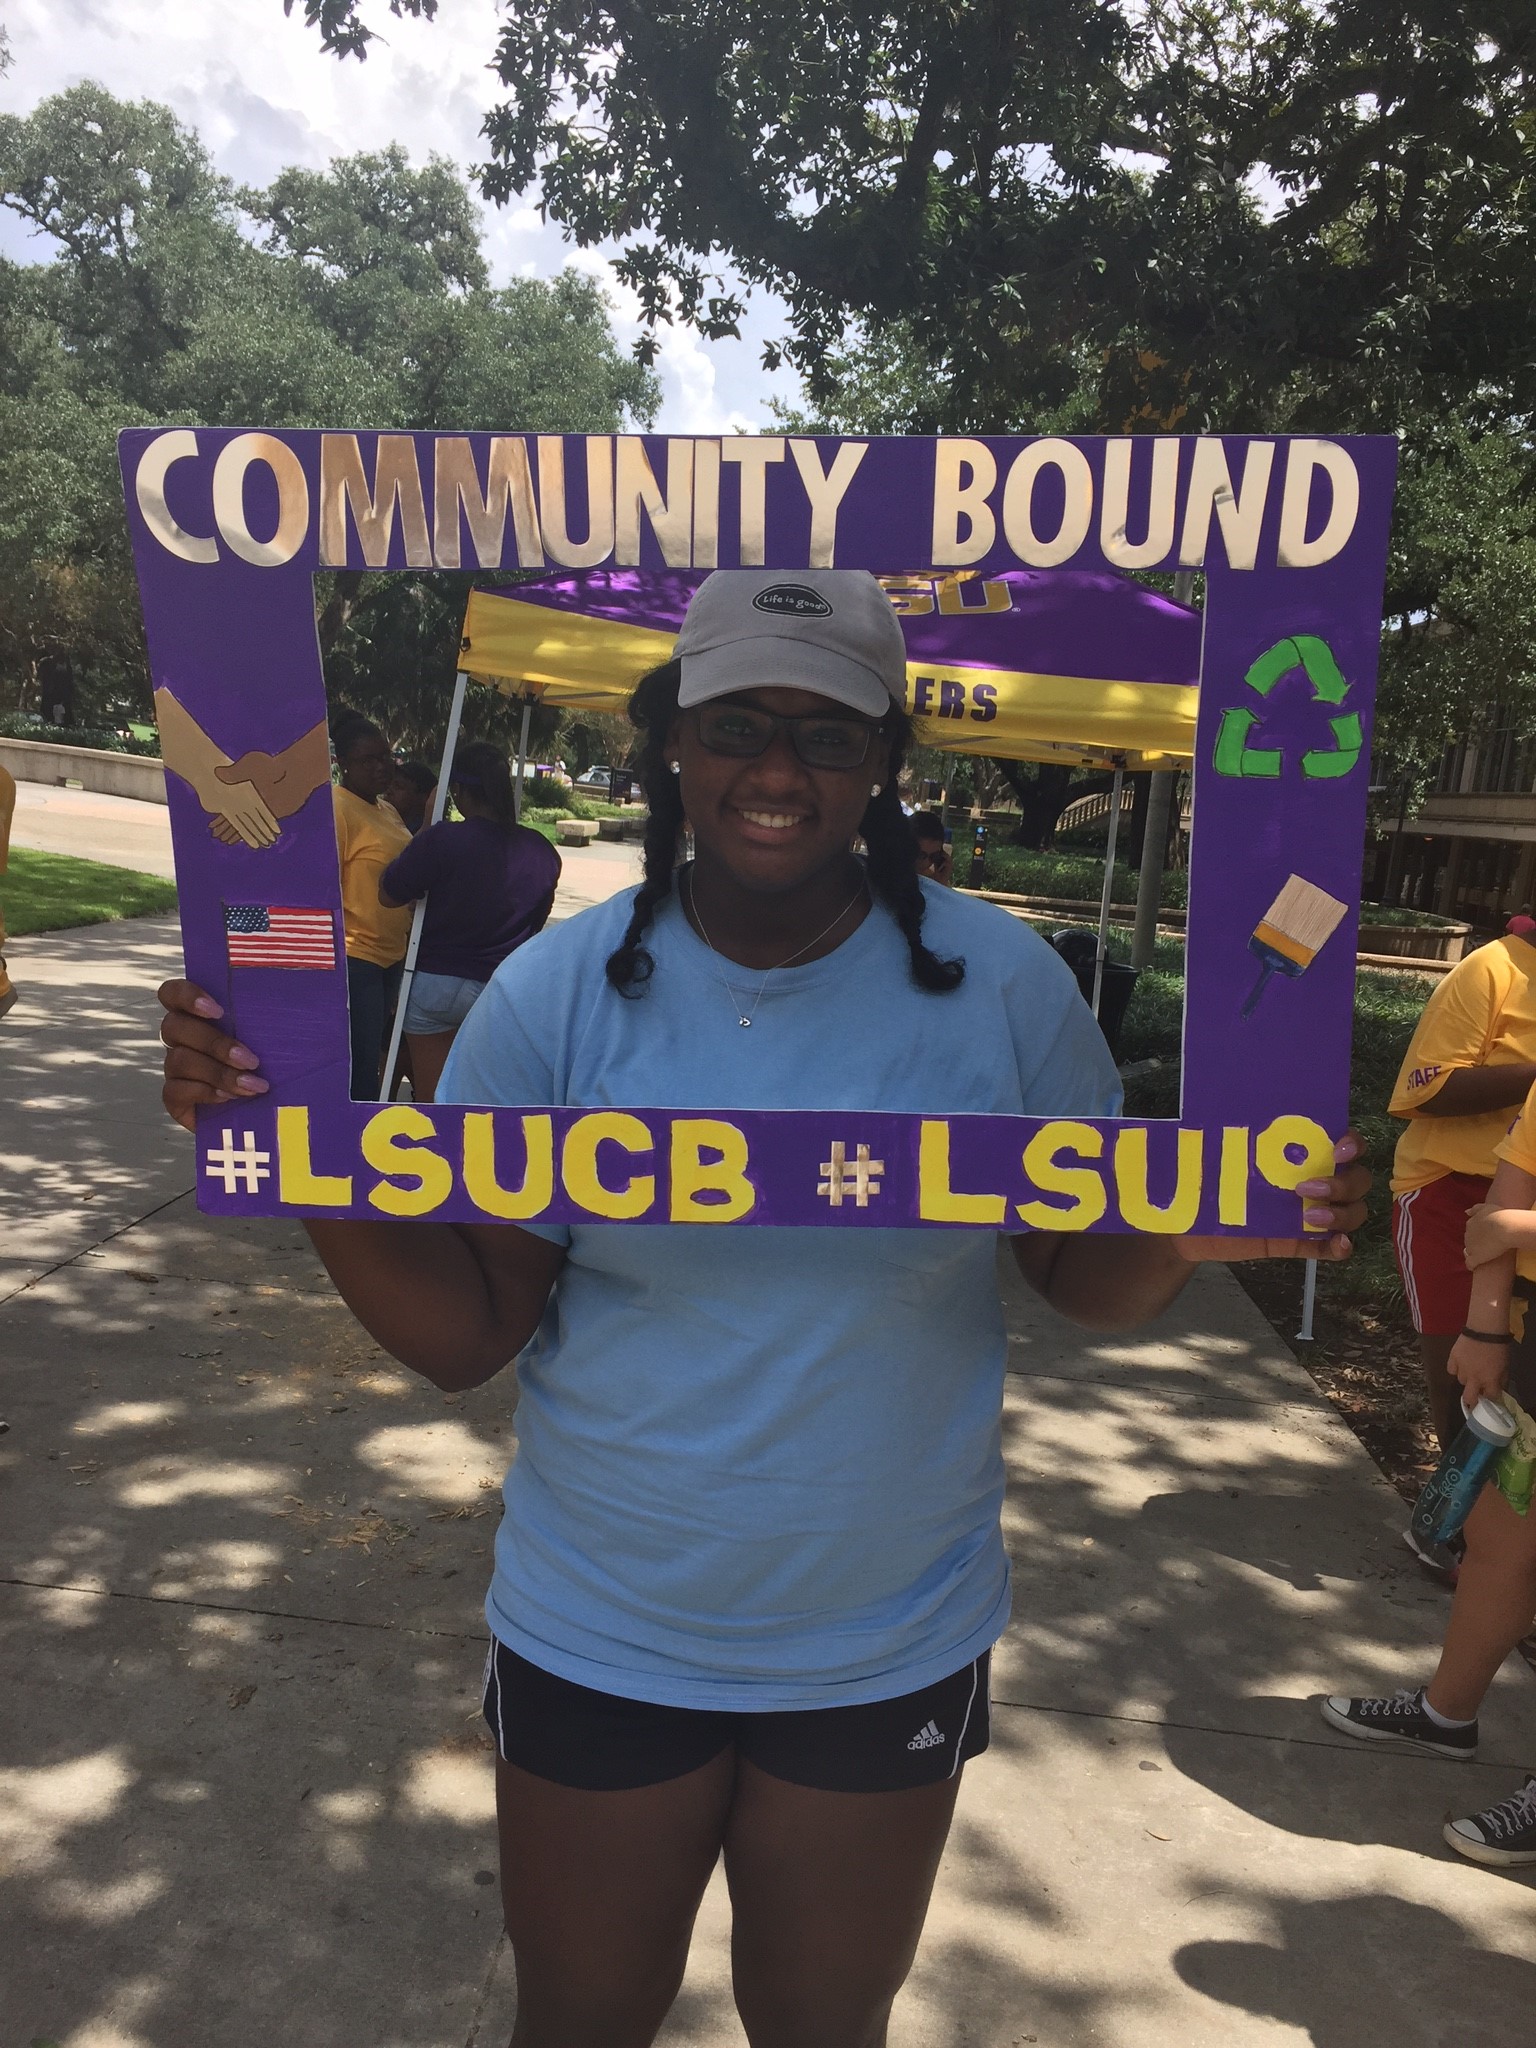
<point x="743" y="732"/>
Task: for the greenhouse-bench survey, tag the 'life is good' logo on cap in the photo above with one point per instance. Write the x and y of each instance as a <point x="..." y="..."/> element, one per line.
<point x="792" y="601"/>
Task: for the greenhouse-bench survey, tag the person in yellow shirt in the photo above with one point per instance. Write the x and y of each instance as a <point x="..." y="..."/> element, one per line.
<point x="369" y="834"/>
<point x="7" y="812"/>
<point x="1470" y="1064"/>
<point x="1495" y="1600"/>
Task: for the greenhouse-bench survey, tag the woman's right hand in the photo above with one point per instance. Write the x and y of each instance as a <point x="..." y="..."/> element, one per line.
<point x="202" y="1063"/>
<point x="1482" y="1369"/>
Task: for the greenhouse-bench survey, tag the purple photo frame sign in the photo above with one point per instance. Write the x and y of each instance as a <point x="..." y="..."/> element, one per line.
<point x="229" y="529"/>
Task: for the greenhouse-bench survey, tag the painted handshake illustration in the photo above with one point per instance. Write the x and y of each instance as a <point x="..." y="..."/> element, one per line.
<point x="246" y="800"/>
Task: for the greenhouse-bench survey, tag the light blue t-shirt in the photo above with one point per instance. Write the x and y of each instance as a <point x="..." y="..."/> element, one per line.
<point x="761" y="1468"/>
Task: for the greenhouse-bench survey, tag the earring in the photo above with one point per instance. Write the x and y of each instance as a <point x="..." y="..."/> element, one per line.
<point x="876" y="790"/>
<point x="676" y="767"/>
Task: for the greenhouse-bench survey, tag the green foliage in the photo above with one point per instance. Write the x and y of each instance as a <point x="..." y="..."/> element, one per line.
<point x="47" y="892"/>
<point x="1461" y="594"/>
<point x="24" y="725"/>
<point x="1101" y="215"/>
<point x="355" y="294"/>
<point x="1078" y="877"/>
<point x="1036" y="190"/>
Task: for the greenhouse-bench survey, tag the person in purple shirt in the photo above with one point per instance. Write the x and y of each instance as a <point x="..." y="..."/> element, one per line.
<point x="489" y="884"/>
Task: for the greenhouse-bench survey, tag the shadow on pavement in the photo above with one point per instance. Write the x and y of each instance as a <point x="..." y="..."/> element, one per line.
<point x="243" y="1780"/>
<point x="1400" y="1954"/>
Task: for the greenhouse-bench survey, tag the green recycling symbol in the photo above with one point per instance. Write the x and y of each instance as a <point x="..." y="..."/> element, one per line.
<point x="1234" y="756"/>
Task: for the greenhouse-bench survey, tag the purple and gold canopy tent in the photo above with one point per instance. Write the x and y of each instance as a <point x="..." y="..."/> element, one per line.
<point x="1074" y="665"/>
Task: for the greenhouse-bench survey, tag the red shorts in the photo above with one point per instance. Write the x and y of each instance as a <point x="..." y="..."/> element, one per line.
<point x="1429" y="1227"/>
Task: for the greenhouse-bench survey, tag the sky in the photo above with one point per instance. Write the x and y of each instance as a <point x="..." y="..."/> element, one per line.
<point x="262" y="95"/>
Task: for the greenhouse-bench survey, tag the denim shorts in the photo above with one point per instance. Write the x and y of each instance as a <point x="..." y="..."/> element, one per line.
<point x="440" y="1002"/>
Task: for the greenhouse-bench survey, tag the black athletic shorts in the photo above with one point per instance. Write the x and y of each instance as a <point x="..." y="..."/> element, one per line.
<point x="598" y="1742"/>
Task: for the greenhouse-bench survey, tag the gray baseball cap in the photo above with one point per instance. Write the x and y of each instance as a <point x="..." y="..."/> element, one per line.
<point x="828" y="630"/>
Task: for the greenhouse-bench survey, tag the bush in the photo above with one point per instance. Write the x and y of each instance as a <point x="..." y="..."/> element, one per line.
<point x="1384" y="913"/>
<point x="24" y="725"/>
<point x="1077" y="876"/>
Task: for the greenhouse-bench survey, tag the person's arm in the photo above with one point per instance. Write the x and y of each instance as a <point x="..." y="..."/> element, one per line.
<point x="1469" y="1091"/>
<point x="1445" y="1071"/>
<point x="1115" y="1282"/>
<point x="408" y="874"/>
<point x="453" y="1302"/>
<point x="1496" y="1230"/>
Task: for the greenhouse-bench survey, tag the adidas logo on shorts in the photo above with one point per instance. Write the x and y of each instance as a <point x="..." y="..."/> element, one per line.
<point x="926" y="1738"/>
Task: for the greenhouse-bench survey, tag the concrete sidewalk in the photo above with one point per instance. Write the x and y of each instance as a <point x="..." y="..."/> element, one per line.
<point x="244" y="1792"/>
<point x="125" y="834"/>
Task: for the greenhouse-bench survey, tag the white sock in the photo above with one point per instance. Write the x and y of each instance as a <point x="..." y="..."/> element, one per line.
<point x="1442" y="1720"/>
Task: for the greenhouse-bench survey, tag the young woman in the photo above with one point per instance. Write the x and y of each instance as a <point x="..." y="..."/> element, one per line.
<point x="489" y="884"/>
<point x="369" y="834"/>
<point x="411" y="791"/>
<point x="751" y="1567"/>
<point x="935" y="860"/>
<point x="1495" y="1600"/>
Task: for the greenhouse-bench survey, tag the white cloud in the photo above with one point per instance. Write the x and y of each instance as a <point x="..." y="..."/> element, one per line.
<point x="258" y="89"/>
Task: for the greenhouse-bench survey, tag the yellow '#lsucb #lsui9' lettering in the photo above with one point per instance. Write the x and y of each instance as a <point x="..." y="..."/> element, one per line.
<point x="1071" y="1175"/>
<point x="519" y="516"/>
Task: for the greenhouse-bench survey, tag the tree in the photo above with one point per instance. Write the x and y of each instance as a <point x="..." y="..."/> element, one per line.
<point x="1225" y="207"/>
<point x="366" y="299"/>
<point x="1459" y="649"/>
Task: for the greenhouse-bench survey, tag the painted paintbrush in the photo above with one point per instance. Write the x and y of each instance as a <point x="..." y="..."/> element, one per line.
<point x="1292" y="932"/>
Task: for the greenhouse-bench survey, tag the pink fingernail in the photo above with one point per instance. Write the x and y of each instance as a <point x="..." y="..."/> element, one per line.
<point x="251" y="1084"/>
<point x="1314" y="1187"/>
<point x="205" y="1006"/>
<point x="1321" y="1218"/>
<point x="242" y="1056"/>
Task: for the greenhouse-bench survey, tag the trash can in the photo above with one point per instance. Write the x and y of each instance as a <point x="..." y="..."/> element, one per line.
<point x="1079" y="948"/>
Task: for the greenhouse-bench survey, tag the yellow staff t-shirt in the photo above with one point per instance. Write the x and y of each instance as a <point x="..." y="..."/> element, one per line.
<point x="368" y="836"/>
<point x="1519" y="1148"/>
<point x="1482" y="1015"/>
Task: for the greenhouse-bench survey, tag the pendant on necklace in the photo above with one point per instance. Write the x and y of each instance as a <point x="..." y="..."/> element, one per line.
<point x="745" y="1023"/>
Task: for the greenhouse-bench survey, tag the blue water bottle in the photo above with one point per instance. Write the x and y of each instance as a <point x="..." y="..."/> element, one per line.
<point x="1462" y="1473"/>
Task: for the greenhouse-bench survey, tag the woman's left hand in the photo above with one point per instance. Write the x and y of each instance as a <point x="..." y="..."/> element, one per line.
<point x="1335" y="1207"/>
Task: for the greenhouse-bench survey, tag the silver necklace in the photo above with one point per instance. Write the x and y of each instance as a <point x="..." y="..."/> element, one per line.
<point x="746" y="1021"/>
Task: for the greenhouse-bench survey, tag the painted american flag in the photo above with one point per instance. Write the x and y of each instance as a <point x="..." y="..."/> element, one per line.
<point x="262" y="935"/>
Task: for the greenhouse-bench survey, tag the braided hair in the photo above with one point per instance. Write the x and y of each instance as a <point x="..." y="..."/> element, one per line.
<point x="888" y="838"/>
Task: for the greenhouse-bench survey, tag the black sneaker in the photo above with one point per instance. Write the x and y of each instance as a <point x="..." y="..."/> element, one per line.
<point x="1502" y="1836"/>
<point x="1399" y="1719"/>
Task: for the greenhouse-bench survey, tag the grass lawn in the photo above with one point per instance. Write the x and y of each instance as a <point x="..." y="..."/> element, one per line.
<point x="46" y="892"/>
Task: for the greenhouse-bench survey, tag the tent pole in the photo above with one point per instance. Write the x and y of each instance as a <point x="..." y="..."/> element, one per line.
<point x="1149" y="884"/>
<point x="522" y="757"/>
<point x="439" y="805"/>
<point x="1308" y="1301"/>
<point x="1109" y="882"/>
<point x="1154" y="843"/>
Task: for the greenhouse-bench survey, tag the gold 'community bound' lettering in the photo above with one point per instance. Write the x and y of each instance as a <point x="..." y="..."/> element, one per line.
<point x="1150" y="500"/>
<point x="396" y="488"/>
<point x="508" y="489"/>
